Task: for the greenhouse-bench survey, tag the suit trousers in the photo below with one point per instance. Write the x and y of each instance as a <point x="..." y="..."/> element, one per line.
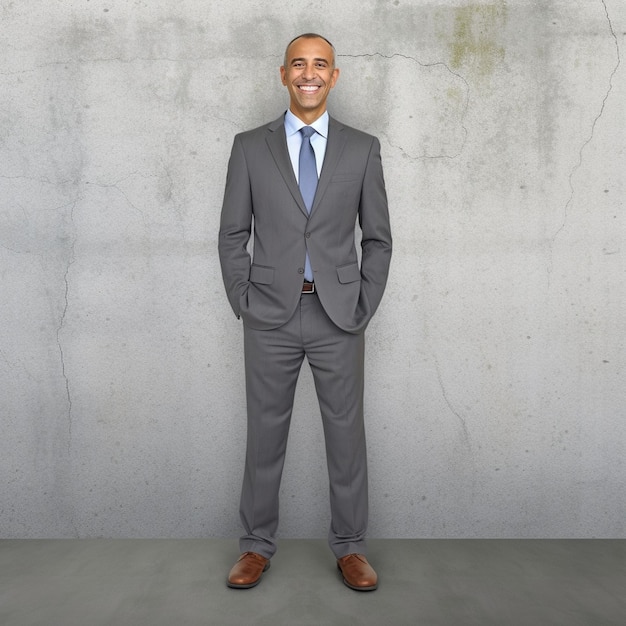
<point x="273" y="359"/>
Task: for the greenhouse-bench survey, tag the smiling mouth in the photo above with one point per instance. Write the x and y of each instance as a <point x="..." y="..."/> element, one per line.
<point x="309" y="88"/>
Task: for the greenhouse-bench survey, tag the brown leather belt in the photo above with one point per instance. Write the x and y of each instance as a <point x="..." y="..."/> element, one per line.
<point x="308" y="287"/>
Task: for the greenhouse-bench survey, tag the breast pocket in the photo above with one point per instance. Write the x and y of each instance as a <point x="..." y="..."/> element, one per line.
<point x="346" y="178"/>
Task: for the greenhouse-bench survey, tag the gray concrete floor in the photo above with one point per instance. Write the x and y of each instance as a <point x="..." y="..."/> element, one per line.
<point x="431" y="582"/>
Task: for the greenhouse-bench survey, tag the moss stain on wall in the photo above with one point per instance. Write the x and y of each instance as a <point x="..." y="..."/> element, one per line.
<point x="477" y="35"/>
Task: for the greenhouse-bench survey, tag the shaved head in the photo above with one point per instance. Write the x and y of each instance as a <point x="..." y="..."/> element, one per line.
<point x="308" y="36"/>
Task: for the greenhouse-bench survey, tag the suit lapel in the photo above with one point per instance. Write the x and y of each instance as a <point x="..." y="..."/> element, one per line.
<point x="334" y="148"/>
<point x="277" y="143"/>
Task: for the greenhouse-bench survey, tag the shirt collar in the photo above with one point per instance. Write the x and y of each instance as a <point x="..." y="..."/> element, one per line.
<point x="293" y="124"/>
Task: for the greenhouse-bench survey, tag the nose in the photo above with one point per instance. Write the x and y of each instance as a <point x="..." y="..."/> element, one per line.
<point x="309" y="72"/>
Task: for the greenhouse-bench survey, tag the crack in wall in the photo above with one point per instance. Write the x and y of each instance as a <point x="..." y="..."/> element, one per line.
<point x="122" y="193"/>
<point x="68" y="392"/>
<point x="426" y="65"/>
<point x="38" y="179"/>
<point x="129" y="60"/>
<point x="589" y="139"/>
<point x="460" y="418"/>
<point x="66" y="62"/>
<point x="170" y="198"/>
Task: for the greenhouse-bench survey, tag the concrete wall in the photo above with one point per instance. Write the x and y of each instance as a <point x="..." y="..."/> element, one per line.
<point x="496" y="397"/>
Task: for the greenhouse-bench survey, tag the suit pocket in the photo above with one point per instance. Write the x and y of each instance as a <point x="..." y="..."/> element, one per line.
<point x="346" y="178"/>
<point x="261" y="275"/>
<point x="349" y="273"/>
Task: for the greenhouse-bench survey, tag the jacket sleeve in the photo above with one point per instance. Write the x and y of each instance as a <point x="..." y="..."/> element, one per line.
<point x="235" y="227"/>
<point x="376" y="242"/>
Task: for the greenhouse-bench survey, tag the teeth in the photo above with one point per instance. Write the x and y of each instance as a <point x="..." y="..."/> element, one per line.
<point x="309" y="87"/>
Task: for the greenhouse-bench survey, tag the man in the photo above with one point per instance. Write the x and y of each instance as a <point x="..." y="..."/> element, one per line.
<point x="304" y="294"/>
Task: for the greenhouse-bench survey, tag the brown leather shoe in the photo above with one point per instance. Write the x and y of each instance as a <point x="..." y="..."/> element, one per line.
<point x="247" y="571"/>
<point x="357" y="573"/>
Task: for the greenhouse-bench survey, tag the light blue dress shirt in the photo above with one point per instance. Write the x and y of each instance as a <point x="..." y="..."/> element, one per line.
<point x="293" y="125"/>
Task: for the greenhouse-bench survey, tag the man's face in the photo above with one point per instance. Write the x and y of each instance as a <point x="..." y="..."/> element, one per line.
<point x="309" y="76"/>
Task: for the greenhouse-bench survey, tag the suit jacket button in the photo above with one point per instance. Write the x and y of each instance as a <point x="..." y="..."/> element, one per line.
<point x="300" y="270"/>
<point x="307" y="235"/>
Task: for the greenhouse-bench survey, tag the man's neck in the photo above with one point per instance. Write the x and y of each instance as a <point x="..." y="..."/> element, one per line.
<point x="307" y="117"/>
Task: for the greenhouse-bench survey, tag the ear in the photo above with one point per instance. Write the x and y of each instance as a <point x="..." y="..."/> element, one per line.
<point x="282" y="75"/>
<point x="334" y="77"/>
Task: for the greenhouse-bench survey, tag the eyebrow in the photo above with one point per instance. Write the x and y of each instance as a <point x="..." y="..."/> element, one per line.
<point x="303" y="59"/>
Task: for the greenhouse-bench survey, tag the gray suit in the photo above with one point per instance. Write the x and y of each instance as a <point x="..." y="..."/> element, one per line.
<point x="282" y="325"/>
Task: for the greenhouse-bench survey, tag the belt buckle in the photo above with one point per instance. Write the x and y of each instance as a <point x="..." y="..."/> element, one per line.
<point x="308" y="287"/>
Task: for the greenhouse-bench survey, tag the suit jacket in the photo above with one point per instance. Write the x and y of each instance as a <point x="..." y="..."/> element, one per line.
<point x="262" y="197"/>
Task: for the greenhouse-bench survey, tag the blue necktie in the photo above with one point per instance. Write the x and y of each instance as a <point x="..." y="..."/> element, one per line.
<point x="307" y="181"/>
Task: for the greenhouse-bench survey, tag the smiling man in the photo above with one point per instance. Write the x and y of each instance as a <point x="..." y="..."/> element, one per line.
<point x="309" y="73"/>
<point x="304" y="181"/>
